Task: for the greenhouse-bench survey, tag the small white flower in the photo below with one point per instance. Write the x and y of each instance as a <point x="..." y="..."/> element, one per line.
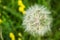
<point x="37" y="20"/>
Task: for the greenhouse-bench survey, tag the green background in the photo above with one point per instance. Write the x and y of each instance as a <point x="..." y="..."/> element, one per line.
<point x="12" y="18"/>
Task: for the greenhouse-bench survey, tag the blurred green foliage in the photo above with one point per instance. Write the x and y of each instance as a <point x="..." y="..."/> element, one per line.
<point x="12" y="18"/>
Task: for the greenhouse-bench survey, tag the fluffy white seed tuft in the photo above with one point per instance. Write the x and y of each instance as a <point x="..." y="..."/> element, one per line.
<point x="37" y="20"/>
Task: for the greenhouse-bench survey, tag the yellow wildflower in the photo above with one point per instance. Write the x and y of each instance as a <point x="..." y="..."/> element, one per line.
<point x="0" y="21"/>
<point x="21" y="8"/>
<point x="20" y="3"/>
<point x="12" y="36"/>
<point x="20" y="34"/>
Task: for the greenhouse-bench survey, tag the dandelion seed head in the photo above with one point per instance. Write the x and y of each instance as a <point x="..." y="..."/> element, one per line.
<point x="37" y="20"/>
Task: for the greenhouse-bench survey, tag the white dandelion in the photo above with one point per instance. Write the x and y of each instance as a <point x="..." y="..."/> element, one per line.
<point x="37" y="20"/>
